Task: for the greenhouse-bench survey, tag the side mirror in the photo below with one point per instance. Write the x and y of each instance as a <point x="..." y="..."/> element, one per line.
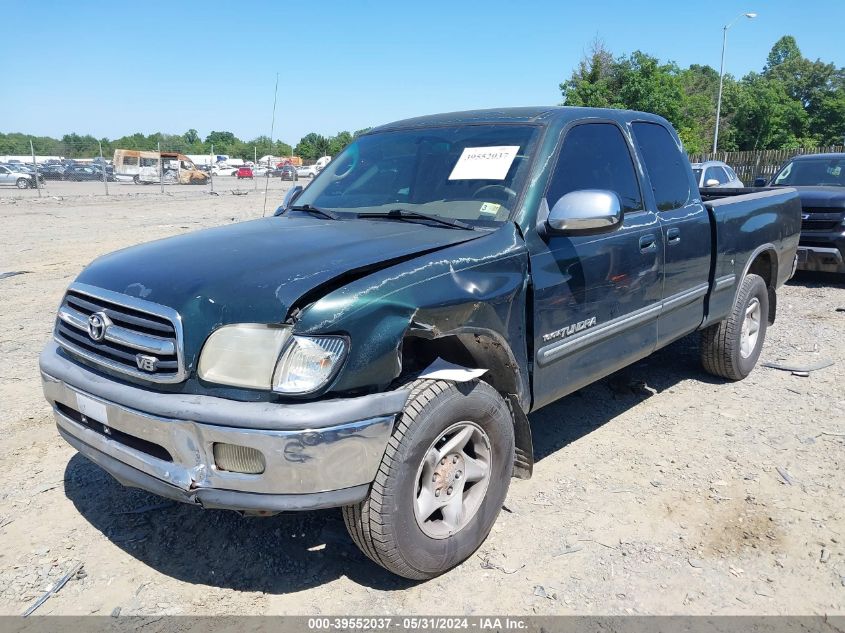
<point x="711" y="182"/>
<point x="759" y="182"/>
<point x="595" y="210"/>
<point x="289" y="199"/>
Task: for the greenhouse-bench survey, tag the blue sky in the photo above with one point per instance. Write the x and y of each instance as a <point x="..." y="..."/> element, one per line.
<point x="115" y="68"/>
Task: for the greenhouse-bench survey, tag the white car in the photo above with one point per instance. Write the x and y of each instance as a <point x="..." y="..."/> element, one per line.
<point x="224" y="170"/>
<point x="715" y="173"/>
<point x="307" y="171"/>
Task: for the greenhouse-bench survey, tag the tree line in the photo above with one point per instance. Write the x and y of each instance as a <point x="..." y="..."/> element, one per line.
<point x="792" y="102"/>
<point x="311" y="147"/>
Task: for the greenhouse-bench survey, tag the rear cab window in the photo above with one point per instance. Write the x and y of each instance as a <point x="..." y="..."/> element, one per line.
<point x="667" y="166"/>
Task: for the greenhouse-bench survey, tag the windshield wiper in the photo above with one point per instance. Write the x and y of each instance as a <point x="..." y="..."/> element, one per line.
<point x="404" y="214"/>
<point x="315" y="210"/>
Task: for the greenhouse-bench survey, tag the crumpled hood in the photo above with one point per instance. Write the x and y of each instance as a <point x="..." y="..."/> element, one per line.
<point x="254" y="271"/>
<point x="822" y="197"/>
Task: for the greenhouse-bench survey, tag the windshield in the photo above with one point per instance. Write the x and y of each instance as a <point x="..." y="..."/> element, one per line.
<point x="473" y="173"/>
<point x="813" y="172"/>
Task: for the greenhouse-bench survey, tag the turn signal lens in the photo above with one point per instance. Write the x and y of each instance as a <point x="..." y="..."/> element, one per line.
<point x="308" y="363"/>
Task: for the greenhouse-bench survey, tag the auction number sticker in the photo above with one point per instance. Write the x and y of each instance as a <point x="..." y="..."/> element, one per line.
<point x="484" y="163"/>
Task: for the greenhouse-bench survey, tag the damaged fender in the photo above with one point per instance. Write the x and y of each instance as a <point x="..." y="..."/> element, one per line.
<point x="474" y="292"/>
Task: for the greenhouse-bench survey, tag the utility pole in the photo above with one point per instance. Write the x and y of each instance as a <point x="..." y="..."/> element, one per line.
<point x="103" y="167"/>
<point x="725" y="28"/>
<point x="35" y="167"/>
<point x="160" y="168"/>
<point x="211" y="168"/>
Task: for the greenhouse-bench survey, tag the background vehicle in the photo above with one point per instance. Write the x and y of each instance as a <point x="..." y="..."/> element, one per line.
<point x="224" y="170"/>
<point x="716" y="174"/>
<point x="307" y="171"/>
<point x="85" y="172"/>
<point x="150" y="167"/>
<point x="322" y="162"/>
<point x="53" y="172"/>
<point x="820" y="181"/>
<point x="20" y="178"/>
<point x="244" y="172"/>
<point x="482" y="265"/>
<point x="285" y="172"/>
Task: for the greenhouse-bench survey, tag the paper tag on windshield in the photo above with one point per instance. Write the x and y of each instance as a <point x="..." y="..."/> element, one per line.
<point x="490" y="208"/>
<point x="484" y="163"/>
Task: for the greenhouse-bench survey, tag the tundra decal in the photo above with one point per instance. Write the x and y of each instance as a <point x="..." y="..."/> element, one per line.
<point x="569" y="330"/>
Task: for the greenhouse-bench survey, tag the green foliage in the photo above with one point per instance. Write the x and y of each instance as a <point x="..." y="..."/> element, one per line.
<point x="86" y="146"/>
<point x="785" y="50"/>
<point x="766" y="117"/>
<point x="793" y="102"/>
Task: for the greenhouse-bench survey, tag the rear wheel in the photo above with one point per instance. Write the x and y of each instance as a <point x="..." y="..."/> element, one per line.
<point x="730" y="348"/>
<point x="442" y="480"/>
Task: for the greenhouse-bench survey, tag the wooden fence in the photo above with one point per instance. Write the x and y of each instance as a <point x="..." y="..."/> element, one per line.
<point x="759" y="163"/>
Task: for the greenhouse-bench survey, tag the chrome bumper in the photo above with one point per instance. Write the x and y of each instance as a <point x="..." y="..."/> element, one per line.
<point x="329" y="463"/>
<point x="820" y="259"/>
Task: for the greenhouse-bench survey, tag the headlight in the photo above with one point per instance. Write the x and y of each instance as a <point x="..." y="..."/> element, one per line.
<point x="242" y="355"/>
<point x="308" y="363"/>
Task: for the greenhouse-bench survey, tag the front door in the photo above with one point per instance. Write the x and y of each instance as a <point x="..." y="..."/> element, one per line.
<point x="596" y="297"/>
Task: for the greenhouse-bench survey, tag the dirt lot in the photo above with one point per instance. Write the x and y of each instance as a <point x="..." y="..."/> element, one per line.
<point x="659" y="490"/>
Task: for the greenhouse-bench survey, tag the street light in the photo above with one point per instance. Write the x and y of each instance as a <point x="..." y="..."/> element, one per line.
<point x="725" y="28"/>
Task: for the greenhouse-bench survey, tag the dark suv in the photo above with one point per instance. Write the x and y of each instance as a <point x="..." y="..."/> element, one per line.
<point x="820" y="181"/>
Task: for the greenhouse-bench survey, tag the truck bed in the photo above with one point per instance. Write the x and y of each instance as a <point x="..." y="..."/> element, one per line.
<point x="746" y="222"/>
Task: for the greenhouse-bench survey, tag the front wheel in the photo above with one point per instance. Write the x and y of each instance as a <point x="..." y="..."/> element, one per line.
<point x="23" y="183"/>
<point x="442" y="480"/>
<point x="730" y="348"/>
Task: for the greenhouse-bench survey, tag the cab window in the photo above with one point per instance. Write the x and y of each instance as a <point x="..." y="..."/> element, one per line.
<point x="668" y="168"/>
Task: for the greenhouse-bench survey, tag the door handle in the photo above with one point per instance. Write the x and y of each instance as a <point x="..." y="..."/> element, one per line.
<point x="673" y="236"/>
<point x="648" y="243"/>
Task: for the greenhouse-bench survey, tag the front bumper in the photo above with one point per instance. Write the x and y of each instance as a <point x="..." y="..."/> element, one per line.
<point x="821" y="259"/>
<point x="317" y="454"/>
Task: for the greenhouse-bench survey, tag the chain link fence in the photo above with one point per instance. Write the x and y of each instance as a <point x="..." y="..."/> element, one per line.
<point x="68" y="169"/>
<point x="82" y="169"/>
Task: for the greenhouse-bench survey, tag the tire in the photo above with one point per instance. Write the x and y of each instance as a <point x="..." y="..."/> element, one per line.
<point x="23" y="183"/>
<point x="722" y="352"/>
<point x="386" y="527"/>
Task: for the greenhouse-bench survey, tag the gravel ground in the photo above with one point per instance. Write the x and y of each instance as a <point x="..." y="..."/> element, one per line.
<point x="659" y="490"/>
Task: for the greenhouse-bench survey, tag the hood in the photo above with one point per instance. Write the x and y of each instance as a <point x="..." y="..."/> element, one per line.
<point x="255" y="271"/>
<point x="830" y="197"/>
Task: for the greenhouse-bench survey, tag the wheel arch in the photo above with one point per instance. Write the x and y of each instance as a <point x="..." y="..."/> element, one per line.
<point x="487" y="350"/>
<point x="764" y="263"/>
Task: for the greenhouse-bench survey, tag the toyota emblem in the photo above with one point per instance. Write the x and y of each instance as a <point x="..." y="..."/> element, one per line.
<point x="98" y="323"/>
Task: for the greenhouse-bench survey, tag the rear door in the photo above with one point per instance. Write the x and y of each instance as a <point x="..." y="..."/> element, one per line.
<point x="684" y="226"/>
<point x="596" y="297"/>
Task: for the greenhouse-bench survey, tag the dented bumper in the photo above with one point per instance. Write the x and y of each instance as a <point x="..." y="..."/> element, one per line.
<point x="165" y="443"/>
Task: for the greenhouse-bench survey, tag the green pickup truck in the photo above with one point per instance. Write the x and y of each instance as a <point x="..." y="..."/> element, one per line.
<point x="378" y="343"/>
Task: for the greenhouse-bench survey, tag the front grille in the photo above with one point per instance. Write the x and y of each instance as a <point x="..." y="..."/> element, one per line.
<point x="818" y="225"/>
<point x="821" y="219"/>
<point x="139" y="338"/>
